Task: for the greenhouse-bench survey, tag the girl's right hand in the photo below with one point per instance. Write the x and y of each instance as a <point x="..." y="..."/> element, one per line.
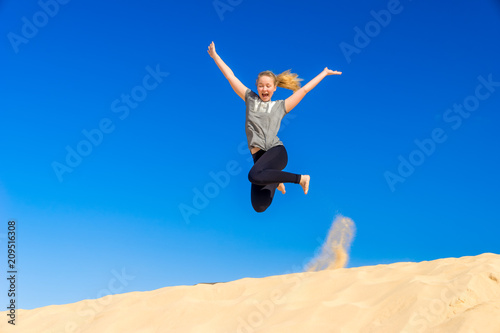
<point x="330" y="72"/>
<point x="211" y="50"/>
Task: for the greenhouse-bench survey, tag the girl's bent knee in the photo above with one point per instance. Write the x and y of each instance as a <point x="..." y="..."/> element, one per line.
<point x="260" y="209"/>
<point x="253" y="177"/>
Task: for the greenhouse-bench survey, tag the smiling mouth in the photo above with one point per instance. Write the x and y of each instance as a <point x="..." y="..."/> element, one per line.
<point x="265" y="94"/>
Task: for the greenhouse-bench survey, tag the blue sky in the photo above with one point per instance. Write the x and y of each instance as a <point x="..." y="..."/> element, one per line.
<point x="405" y="142"/>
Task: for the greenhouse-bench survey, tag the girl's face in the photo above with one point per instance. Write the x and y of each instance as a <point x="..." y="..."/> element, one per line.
<point x="266" y="88"/>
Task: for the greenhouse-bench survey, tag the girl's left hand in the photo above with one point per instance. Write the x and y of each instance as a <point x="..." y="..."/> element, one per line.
<point x="330" y="72"/>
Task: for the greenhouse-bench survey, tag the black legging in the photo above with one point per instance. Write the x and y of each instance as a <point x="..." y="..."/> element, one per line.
<point x="266" y="175"/>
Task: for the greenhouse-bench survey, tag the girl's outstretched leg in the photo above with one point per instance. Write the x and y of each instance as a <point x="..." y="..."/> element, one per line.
<point x="266" y="176"/>
<point x="268" y="165"/>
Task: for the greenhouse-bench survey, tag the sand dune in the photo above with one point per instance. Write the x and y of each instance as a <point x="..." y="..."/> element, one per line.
<point x="458" y="295"/>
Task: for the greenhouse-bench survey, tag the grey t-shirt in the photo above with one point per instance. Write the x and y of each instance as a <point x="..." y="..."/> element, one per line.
<point x="263" y="120"/>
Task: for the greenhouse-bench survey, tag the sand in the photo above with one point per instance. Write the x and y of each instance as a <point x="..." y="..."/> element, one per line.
<point x="335" y="250"/>
<point x="459" y="295"/>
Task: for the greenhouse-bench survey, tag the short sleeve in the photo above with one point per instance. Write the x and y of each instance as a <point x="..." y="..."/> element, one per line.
<point x="282" y="108"/>
<point x="247" y="93"/>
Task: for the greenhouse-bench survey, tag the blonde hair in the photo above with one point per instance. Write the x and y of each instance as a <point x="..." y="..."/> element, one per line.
<point x="285" y="80"/>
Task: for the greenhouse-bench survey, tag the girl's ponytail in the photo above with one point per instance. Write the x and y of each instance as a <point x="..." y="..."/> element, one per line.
<point x="288" y="80"/>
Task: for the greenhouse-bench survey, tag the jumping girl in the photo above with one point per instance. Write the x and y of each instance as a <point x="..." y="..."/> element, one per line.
<point x="263" y="119"/>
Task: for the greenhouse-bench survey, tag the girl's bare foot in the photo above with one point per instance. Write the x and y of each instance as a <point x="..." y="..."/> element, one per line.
<point x="304" y="182"/>
<point x="281" y="187"/>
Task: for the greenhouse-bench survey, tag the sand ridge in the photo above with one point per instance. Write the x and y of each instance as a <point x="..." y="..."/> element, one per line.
<point x="446" y="295"/>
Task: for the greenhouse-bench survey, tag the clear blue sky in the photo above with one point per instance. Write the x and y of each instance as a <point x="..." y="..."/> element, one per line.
<point x="86" y="65"/>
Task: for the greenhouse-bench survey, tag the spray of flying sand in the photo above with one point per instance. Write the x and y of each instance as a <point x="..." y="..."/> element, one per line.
<point x="334" y="252"/>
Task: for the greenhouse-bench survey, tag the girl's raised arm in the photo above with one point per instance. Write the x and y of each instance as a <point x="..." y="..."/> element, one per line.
<point x="297" y="96"/>
<point x="238" y="87"/>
